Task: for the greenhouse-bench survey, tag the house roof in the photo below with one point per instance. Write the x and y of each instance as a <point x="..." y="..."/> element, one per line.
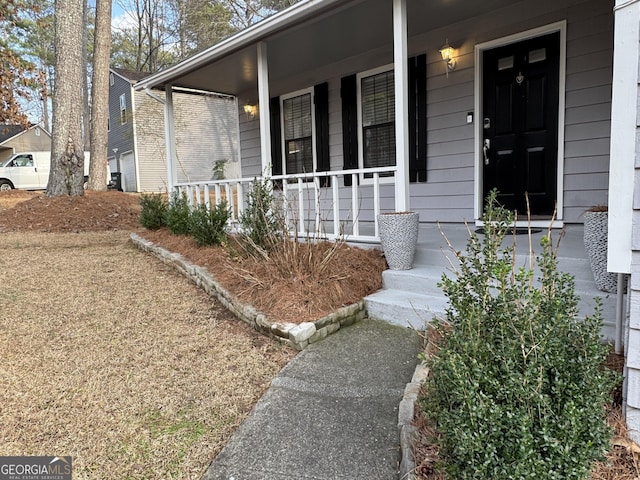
<point x="9" y="132"/>
<point x="309" y="35"/>
<point x="130" y="75"/>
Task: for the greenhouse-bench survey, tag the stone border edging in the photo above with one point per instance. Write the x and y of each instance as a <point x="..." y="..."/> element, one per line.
<point x="298" y="336"/>
<point x="407" y="430"/>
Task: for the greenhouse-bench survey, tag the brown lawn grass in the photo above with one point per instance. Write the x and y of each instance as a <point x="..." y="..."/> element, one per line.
<point x="111" y="357"/>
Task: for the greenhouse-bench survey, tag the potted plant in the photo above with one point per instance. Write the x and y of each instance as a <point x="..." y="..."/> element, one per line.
<point x="596" y="221"/>
<point x="398" y="235"/>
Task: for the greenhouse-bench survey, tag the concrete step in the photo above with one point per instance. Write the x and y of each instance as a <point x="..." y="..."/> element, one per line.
<point x="423" y="279"/>
<point x="407" y="309"/>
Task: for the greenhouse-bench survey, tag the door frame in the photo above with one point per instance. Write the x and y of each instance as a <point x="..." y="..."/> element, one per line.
<point x="478" y="102"/>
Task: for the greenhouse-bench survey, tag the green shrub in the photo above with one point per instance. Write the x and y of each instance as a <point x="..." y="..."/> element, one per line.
<point x="178" y="212"/>
<point x="262" y="222"/>
<point x="517" y="389"/>
<point x="153" y="211"/>
<point x="208" y="225"/>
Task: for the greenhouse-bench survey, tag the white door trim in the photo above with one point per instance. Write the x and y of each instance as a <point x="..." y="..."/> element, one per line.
<point x="479" y="49"/>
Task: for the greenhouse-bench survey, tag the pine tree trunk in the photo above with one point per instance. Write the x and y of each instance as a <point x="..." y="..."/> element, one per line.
<point x="67" y="154"/>
<point x="100" y="96"/>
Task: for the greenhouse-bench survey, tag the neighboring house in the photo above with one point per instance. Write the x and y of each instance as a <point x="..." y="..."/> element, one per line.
<point x="16" y="138"/>
<point x="136" y="146"/>
<point x="534" y="96"/>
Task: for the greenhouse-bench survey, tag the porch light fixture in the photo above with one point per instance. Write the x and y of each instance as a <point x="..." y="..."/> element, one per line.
<point x="447" y="52"/>
<point x="251" y="111"/>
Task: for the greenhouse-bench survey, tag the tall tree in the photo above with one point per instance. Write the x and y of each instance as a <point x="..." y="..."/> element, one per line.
<point x="100" y="96"/>
<point x="36" y="45"/>
<point x="67" y="154"/>
<point x="18" y="76"/>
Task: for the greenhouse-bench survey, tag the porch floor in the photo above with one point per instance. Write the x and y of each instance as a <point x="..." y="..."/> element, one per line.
<point x="412" y="298"/>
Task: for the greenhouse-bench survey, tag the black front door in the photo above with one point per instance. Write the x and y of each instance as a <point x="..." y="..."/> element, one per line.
<point x="520" y="124"/>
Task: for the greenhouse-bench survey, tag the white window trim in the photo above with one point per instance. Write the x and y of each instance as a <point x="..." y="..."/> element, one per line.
<point x="479" y="49"/>
<point x="298" y="93"/>
<point x="123" y="102"/>
<point x="368" y="73"/>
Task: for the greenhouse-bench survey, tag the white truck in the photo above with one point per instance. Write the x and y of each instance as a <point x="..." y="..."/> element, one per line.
<point x="30" y="171"/>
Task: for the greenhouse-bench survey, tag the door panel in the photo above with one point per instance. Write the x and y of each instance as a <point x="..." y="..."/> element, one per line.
<point x="520" y="112"/>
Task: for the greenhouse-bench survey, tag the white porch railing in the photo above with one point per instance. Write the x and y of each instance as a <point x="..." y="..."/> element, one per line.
<point x="312" y="210"/>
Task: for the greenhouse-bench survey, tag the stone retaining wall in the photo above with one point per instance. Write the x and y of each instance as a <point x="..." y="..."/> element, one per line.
<point x="298" y="336"/>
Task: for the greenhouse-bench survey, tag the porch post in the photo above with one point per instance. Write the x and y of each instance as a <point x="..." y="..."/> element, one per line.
<point x="400" y="72"/>
<point x="263" y="102"/>
<point x="623" y="134"/>
<point x="170" y="137"/>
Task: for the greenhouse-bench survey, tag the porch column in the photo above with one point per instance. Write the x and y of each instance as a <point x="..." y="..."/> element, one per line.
<point x="624" y="118"/>
<point x="170" y="138"/>
<point x="263" y="103"/>
<point x="400" y="72"/>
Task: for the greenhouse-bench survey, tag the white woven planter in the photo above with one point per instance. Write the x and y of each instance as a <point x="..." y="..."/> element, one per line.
<point x="399" y="236"/>
<point x="595" y="243"/>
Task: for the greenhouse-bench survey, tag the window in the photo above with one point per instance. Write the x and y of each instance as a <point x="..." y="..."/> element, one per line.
<point x="297" y="130"/>
<point x="111" y="79"/>
<point x="377" y="115"/>
<point x="123" y="109"/>
<point x="37" y="130"/>
<point x="23" y="161"/>
<point x="108" y="123"/>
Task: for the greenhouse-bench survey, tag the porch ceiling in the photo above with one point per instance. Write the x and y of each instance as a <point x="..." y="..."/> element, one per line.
<point x="298" y="43"/>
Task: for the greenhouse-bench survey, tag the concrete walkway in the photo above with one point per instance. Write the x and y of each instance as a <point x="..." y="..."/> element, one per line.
<point x="331" y="413"/>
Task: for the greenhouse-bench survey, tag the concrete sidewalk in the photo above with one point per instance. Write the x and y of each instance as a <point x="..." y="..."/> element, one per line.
<point x="331" y="413"/>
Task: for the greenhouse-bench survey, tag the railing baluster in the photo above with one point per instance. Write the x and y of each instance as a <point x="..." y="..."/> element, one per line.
<point x="336" y="205"/>
<point x="354" y="205"/>
<point x="376" y="202"/>
<point x="300" y="208"/>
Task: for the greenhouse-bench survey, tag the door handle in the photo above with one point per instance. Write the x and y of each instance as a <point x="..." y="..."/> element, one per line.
<point x="485" y="150"/>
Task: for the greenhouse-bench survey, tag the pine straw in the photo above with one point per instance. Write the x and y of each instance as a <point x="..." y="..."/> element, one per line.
<point x="623" y="459"/>
<point x="303" y="290"/>
<point x="118" y="361"/>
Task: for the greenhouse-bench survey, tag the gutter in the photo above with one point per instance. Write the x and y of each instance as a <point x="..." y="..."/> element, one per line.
<point x="278" y="22"/>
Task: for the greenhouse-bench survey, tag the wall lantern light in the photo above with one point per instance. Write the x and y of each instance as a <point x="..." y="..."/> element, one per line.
<point x="251" y="111"/>
<point x="448" y="53"/>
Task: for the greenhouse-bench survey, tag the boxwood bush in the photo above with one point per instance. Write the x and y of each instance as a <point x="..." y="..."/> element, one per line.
<point x="178" y="212"/>
<point x="208" y="225"/>
<point x="517" y="388"/>
<point x="153" y="211"/>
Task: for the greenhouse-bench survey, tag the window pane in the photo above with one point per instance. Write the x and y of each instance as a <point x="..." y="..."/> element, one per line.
<point x="298" y="132"/>
<point x="297" y="117"/>
<point x="299" y="156"/>
<point x="380" y="146"/>
<point x="378" y="121"/>
<point x="378" y="102"/>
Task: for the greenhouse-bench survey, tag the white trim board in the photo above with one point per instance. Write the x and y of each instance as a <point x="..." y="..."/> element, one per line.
<point x="477" y="164"/>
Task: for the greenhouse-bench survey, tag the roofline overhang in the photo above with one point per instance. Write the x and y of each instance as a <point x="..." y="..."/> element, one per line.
<point x="251" y="35"/>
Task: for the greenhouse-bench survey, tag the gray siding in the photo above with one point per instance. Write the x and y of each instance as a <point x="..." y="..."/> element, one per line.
<point x="632" y="347"/>
<point x="448" y="194"/>
<point x="120" y="135"/>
